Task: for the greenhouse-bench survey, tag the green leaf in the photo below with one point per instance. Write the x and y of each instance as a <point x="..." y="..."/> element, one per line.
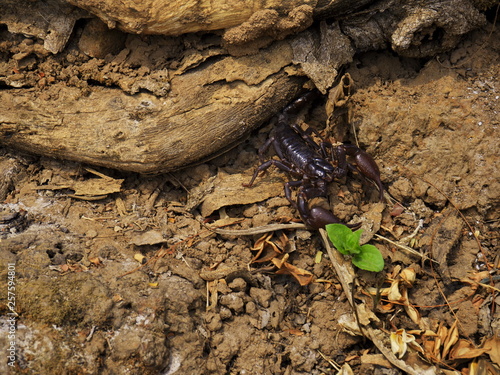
<point x="338" y="234"/>
<point x="369" y="259"/>
<point x="352" y="242"/>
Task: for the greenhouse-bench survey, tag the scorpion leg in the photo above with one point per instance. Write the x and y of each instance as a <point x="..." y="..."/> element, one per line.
<point x="288" y="191"/>
<point x="366" y="165"/>
<point x="264" y="148"/>
<point x="277" y="163"/>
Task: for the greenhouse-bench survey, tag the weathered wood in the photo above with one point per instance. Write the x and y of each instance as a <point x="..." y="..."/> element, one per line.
<point x="175" y="17"/>
<point x="204" y="114"/>
<point x="169" y="111"/>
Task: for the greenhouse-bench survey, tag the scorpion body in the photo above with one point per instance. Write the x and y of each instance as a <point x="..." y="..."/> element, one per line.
<point x="312" y="166"/>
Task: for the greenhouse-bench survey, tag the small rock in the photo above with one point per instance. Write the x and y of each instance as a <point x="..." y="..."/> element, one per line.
<point x="238" y="284"/>
<point x="232" y="301"/>
<point x="151" y="237"/>
<point x="214" y="322"/>
<point x="262" y="296"/>
<point x="92" y="233"/>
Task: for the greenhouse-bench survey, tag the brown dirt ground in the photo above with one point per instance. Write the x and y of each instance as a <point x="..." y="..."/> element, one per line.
<point x="85" y="307"/>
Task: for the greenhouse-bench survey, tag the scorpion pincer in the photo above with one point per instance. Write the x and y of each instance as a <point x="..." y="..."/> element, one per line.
<point x="312" y="166"/>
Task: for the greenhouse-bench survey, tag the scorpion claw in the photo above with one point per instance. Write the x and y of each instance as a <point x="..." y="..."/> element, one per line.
<point x="366" y="165"/>
<point x="317" y="217"/>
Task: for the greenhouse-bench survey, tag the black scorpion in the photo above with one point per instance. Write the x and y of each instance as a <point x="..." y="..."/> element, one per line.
<point x="312" y="166"/>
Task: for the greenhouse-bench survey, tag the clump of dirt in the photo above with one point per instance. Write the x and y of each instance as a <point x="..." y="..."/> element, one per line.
<point x="135" y="283"/>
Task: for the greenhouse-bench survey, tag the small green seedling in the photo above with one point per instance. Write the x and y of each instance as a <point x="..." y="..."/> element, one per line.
<point x="366" y="257"/>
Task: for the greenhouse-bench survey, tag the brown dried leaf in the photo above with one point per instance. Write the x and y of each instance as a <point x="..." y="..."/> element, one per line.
<point x="408" y="275"/>
<point x="410" y="309"/>
<point x="375" y="359"/>
<point x="302" y="276"/>
<point x="266" y="249"/>
<point x="463" y="349"/>
<point x="440" y="337"/>
<point x="429" y="347"/>
<point x="397" y="210"/>
<point x="95" y="261"/>
<point x="451" y="339"/>
<point x="492" y="345"/>
<point x="278" y="262"/>
<point x="295" y="332"/>
<point x="394" y="295"/>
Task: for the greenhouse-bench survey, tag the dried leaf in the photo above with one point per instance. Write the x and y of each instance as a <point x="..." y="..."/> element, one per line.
<point x="408" y="275"/>
<point x="349" y="324"/>
<point x="481" y="366"/>
<point x="151" y="237"/>
<point x="266" y="249"/>
<point x="95" y="261"/>
<point x="278" y="262"/>
<point x="429" y="346"/>
<point x="451" y="339"/>
<point x="493" y="346"/>
<point x="410" y="309"/>
<point x="302" y="276"/>
<point x="365" y="314"/>
<point x="295" y="332"/>
<point x="375" y="359"/>
<point x="399" y="342"/>
<point x="463" y="349"/>
<point x="345" y="370"/>
<point x="140" y="258"/>
<point x="259" y="244"/>
<point x="92" y="187"/>
<point x="442" y="333"/>
<point x="395" y="272"/>
<point x="381" y="291"/>
<point x="394" y="294"/>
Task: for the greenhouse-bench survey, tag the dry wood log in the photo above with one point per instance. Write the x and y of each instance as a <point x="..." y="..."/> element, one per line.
<point x="202" y="116"/>
<point x="171" y="17"/>
<point x="153" y="104"/>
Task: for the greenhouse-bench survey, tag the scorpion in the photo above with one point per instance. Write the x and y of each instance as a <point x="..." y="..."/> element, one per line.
<point x="311" y="165"/>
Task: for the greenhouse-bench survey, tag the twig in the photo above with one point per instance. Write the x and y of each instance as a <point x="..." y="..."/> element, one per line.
<point x="258" y="230"/>
<point x="407" y="248"/>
